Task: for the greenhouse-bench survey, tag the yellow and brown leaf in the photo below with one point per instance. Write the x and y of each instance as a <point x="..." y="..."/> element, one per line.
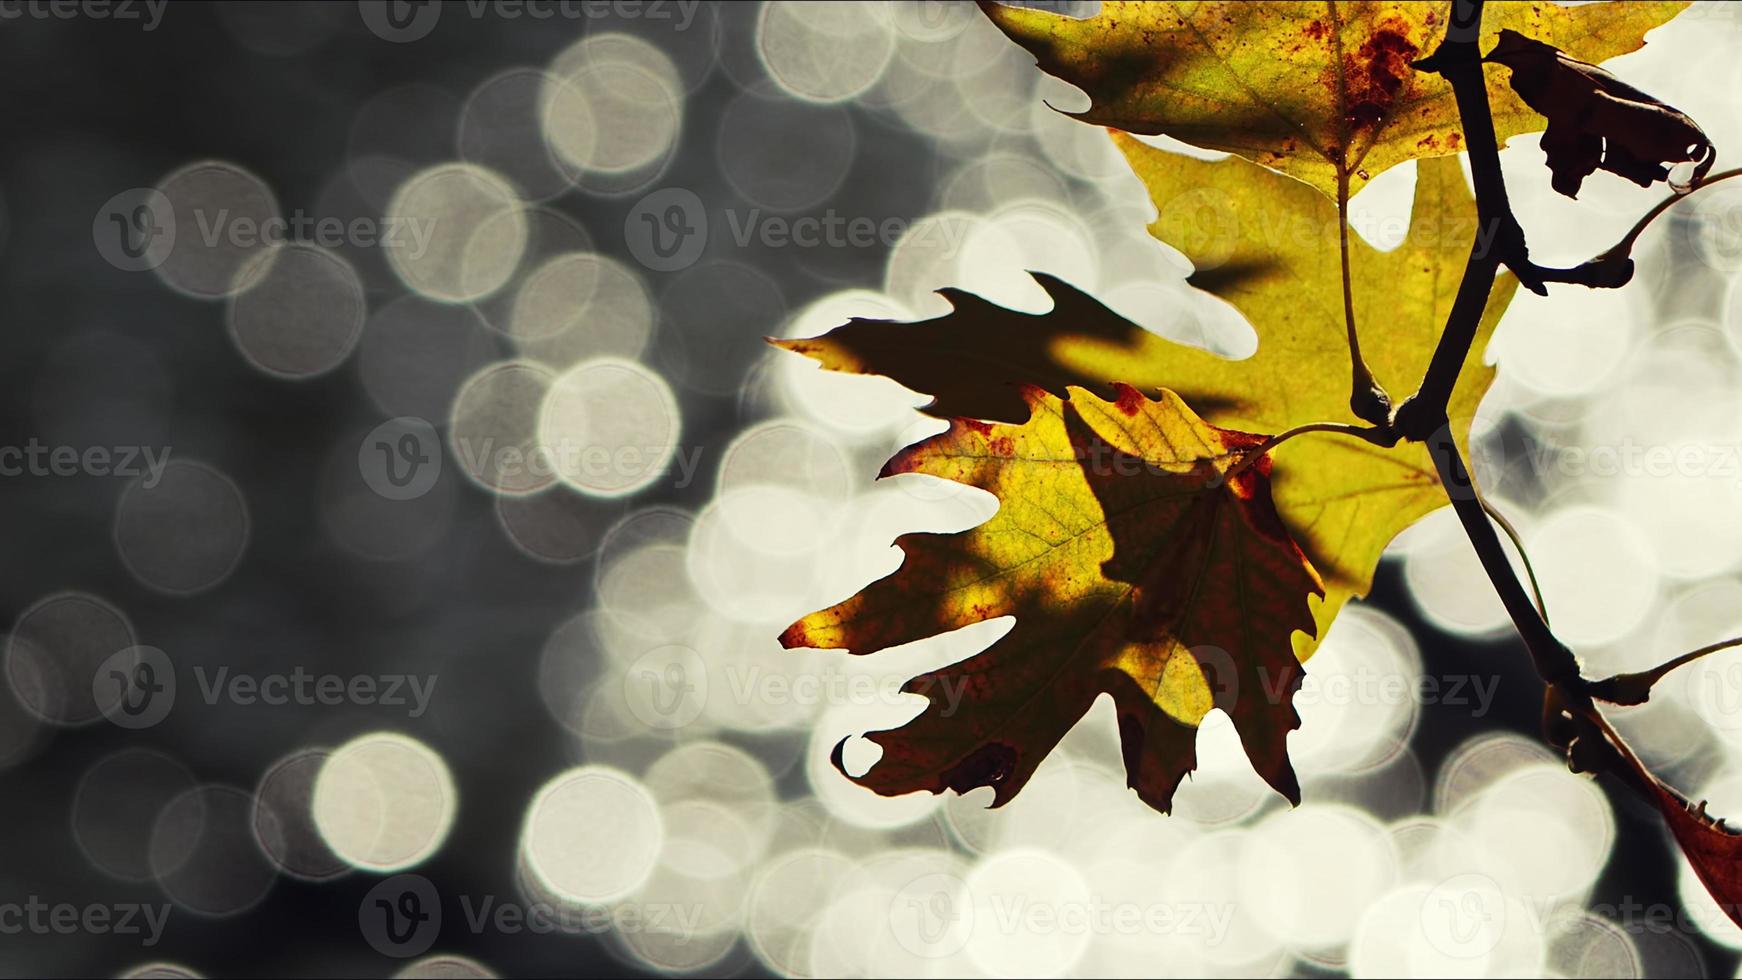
<point x="1321" y="91"/>
<point x="1268" y="245"/>
<point x="1137" y="561"/>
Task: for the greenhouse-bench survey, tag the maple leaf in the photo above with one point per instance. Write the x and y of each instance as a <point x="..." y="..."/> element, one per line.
<point x="1322" y="91"/>
<point x="1268" y="245"/>
<point x="1139" y="550"/>
<point x="1597" y="120"/>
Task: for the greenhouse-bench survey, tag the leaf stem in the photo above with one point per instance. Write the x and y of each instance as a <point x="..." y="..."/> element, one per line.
<point x="1377" y="435"/>
<point x="1523" y="556"/>
<point x="1367" y="397"/>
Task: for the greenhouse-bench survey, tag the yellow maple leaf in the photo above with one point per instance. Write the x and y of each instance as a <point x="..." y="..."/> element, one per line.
<point x="1322" y="91"/>
<point x="1270" y="249"/>
<point x="1138" y="549"/>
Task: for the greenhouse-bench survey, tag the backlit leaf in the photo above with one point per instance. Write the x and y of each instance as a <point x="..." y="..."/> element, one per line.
<point x="1134" y="566"/>
<point x="1321" y="91"/>
<point x="1268" y="245"/>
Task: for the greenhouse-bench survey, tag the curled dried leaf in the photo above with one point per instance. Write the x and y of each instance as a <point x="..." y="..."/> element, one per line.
<point x="1596" y="121"/>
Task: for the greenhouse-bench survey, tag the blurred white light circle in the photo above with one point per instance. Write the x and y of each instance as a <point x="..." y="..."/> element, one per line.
<point x="824" y="52"/>
<point x="760" y="137"/>
<point x="499" y="128"/>
<point x="301" y="312"/>
<point x="646" y="595"/>
<point x="789" y="894"/>
<point x="205" y="854"/>
<point x="493" y="428"/>
<point x="1565" y="344"/>
<point x="1205" y="876"/>
<point x="1598" y="574"/>
<point x="610" y="427"/>
<point x="581" y="305"/>
<point x="183" y="530"/>
<point x="1463" y="926"/>
<point x="1542" y="830"/>
<point x="788" y="453"/>
<point x="926" y="258"/>
<point x="1583" y="945"/>
<point x="444" y="967"/>
<point x="753" y="554"/>
<point x="55" y="650"/>
<point x="616" y="105"/>
<point x="1309" y="873"/>
<point x="592" y="834"/>
<point x="1024" y="237"/>
<point x="1446" y="579"/>
<point x="1359" y="700"/>
<point x="458" y="232"/>
<point x="384" y="801"/>
<point x="1033" y="915"/>
<point x="224" y="217"/>
<point x="1480" y="762"/>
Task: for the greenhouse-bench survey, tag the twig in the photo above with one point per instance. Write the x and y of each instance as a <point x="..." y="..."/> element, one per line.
<point x="1635" y="688"/>
<point x="1518" y="546"/>
<point x="1613" y="268"/>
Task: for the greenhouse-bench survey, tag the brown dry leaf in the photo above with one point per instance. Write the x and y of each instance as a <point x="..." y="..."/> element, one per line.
<point x="1595" y="120"/>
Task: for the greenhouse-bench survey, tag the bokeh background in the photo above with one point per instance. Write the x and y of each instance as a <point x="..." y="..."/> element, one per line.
<point x="391" y="588"/>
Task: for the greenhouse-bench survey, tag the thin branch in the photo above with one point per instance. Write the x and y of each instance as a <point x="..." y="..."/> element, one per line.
<point x="1613" y="268"/>
<point x="1635" y="688"/>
